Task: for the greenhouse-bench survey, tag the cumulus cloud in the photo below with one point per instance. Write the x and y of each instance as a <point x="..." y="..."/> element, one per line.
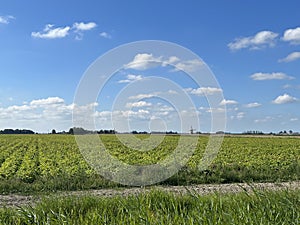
<point x="291" y="57"/>
<point x="285" y="98"/>
<point x="290" y="86"/>
<point x="131" y="78"/>
<point x="228" y="102"/>
<point x="49" y="32"/>
<point x="105" y="35"/>
<point x="6" y="19"/>
<point x="84" y="26"/>
<point x="39" y="115"/>
<point x="172" y="92"/>
<point x="152" y="95"/>
<point x="202" y="91"/>
<point x="240" y="115"/>
<point x="43" y="115"/>
<point x="216" y="110"/>
<point x="138" y="104"/>
<point x="172" y="60"/>
<point x="79" y="28"/>
<point x="144" y="61"/>
<point x="292" y="36"/>
<point x="47" y="101"/>
<point x="264" y="120"/>
<point x="253" y="105"/>
<point x="189" y="65"/>
<point x="271" y="76"/>
<point x="258" y="41"/>
<point x="125" y="114"/>
<point x="142" y="96"/>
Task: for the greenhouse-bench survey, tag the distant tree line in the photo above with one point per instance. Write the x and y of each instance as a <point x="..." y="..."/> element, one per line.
<point x="253" y="132"/>
<point x="80" y="130"/>
<point x="290" y="132"/>
<point x="154" y="132"/>
<point x="16" y="131"/>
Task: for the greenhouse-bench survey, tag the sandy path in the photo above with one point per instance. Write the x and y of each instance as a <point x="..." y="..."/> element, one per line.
<point x="203" y="189"/>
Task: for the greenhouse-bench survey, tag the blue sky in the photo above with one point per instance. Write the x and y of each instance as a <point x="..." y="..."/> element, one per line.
<point x="252" y="47"/>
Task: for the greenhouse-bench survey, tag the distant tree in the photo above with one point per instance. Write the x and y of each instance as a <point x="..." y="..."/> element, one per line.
<point x="71" y="131"/>
<point x="53" y="131"/>
<point x="171" y="132"/>
<point x="290" y="132"/>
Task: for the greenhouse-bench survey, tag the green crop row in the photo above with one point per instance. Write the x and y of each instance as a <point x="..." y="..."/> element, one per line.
<point x="55" y="161"/>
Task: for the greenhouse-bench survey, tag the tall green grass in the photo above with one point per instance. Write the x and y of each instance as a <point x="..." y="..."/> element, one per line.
<point x="155" y="207"/>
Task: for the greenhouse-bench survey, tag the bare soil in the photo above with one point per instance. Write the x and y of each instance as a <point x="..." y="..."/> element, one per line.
<point x="15" y="200"/>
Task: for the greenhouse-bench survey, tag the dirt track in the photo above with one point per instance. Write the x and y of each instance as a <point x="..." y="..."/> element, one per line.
<point x="203" y="189"/>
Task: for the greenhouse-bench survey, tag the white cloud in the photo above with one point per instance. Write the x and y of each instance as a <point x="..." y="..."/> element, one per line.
<point x="258" y="41"/>
<point x="292" y="36"/>
<point x="253" y="105"/>
<point x="172" y="92"/>
<point x="79" y="28"/>
<point x="172" y="60"/>
<point x="264" y="120"/>
<point x="47" y="101"/>
<point x="131" y="78"/>
<point x="291" y="57"/>
<point x="144" y="61"/>
<point x="287" y="86"/>
<point x="84" y="26"/>
<point x="51" y="33"/>
<point x="215" y="110"/>
<point x="204" y="91"/>
<point x="240" y="115"/>
<point x="18" y="108"/>
<point x="138" y="104"/>
<point x="228" y="102"/>
<point x="105" y="35"/>
<point x="6" y="19"/>
<point x="164" y="108"/>
<point x="283" y="99"/>
<point x="294" y="119"/>
<point x="271" y="76"/>
<point x="152" y="95"/>
<point x="189" y="65"/>
<point x="122" y="115"/>
<point x="39" y="115"/>
<point x="142" y="96"/>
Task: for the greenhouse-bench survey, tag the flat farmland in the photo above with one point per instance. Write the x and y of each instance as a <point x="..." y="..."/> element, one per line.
<point x="54" y="162"/>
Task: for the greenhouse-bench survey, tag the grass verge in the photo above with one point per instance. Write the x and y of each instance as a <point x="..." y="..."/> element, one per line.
<point x="157" y="207"/>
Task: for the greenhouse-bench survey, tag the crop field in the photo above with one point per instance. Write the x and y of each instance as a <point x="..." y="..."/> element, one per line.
<point x="41" y="165"/>
<point x="53" y="162"/>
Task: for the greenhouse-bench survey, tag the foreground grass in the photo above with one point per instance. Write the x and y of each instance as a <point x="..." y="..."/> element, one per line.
<point x="155" y="207"/>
